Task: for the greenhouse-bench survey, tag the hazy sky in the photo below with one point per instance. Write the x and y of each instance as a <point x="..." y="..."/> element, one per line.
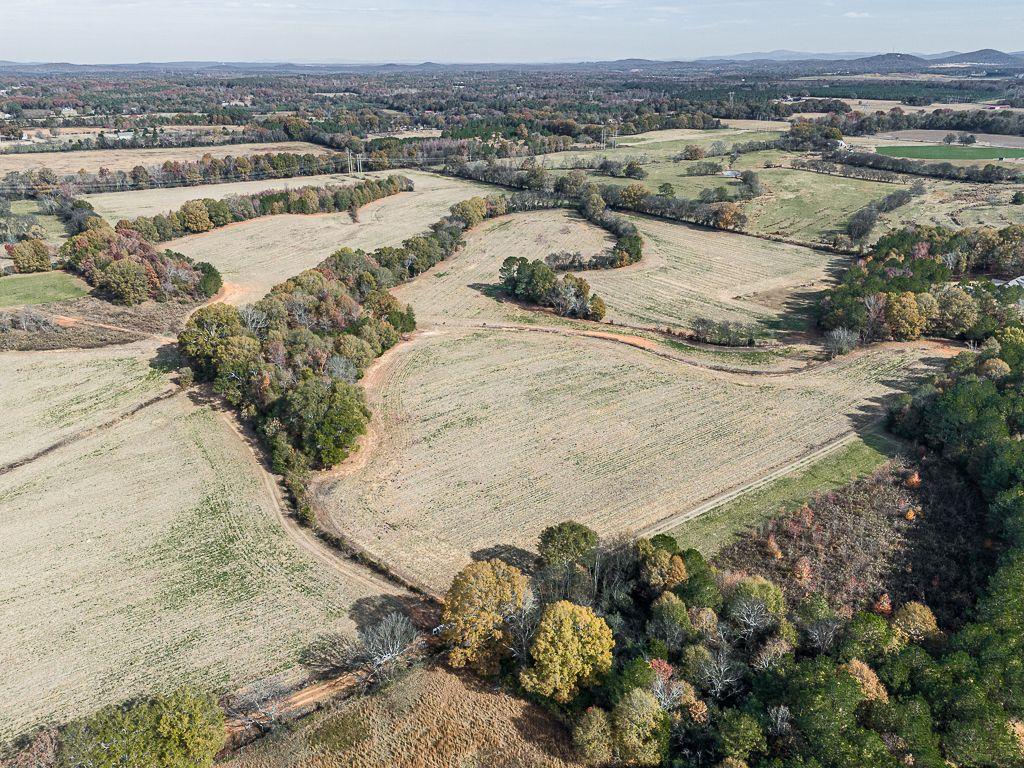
<point x="111" y="31"/>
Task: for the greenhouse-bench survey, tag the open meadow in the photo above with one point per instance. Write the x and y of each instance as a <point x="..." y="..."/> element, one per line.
<point x="253" y="256"/>
<point x="144" y="549"/>
<point x="686" y="272"/>
<point x="125" y="159"/>
<point x="593" y="430"/>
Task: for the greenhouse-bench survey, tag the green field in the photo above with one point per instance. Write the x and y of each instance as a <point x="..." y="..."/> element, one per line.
<point x="950" y="152"/>
<point x="39" y="288"/>
<point x="717" y="528"/>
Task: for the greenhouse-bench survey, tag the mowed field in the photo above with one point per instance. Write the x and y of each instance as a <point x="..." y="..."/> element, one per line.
<point x="460" y="290"/>
<point x="253" y="256"/>
<point x="482" y="438"/>
<point x="689" y="272"/>
<point x="126" y="159"/>
<point x="145" y="552"/>
<point x="115" y="206"/>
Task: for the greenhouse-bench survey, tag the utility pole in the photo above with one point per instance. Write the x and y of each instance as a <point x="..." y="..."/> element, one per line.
<point x="732" y="98"/>
<point x="348" y="154"/>
<point x="359" y="162"/>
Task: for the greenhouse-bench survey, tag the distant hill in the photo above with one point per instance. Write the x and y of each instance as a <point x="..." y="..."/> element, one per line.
<point x="785" y="55"/>
<point x="984" y="56"/>
<point x="887" y="62"/>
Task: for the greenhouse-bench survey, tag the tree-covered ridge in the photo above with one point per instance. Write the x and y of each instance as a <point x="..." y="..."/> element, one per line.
<point x="918" y="281"/>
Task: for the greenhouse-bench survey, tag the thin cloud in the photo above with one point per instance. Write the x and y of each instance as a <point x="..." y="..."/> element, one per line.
<point x="856" y="15"/>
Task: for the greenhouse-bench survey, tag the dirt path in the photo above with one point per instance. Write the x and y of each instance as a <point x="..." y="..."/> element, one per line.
<point x="302" y="537"/>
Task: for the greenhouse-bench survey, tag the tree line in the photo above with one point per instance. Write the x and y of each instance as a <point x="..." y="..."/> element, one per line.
<point x="575" y="189"/>
<point x="989" y="174"/>
<point x="174" y="173"/>
<point x="203" y="215"/>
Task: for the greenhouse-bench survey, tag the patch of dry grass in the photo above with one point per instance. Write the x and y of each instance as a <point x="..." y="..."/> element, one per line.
<point x="430" y="719"/>
<point x="253" y="256"/>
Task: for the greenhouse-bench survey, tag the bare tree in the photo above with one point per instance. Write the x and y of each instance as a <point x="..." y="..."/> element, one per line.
<point x="822" y="634"/>
<point x="718" y="674"/>
<point x="254" y="319"/>
<point x="840" y="341"/>
<point x="750" y="617"/>
<point x="780" y="720"/>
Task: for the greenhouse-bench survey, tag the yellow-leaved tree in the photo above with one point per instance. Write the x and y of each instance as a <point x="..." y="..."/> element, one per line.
<point x="572" y="648"/>
<point x="481" y="597"/>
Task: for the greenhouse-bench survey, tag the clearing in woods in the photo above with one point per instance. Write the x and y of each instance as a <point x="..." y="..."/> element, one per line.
<point x="92" y="160"/>
<point x="254" y="256"/>
<point x="146" y="550"/>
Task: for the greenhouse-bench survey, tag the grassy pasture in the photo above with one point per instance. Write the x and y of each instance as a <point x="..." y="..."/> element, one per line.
<point x="146" y="553"/>
<point x="126" y="159"/>
<point x="950" y="152"/>
<point x="806" y="206"/>
<point x="253" y="256"/>
<point x="570" y="427"/>
<point x="40" y="288"/>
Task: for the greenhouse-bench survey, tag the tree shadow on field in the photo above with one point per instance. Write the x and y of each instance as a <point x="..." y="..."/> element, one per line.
<point x="167" y="359"/>
<point x="518" y="557"/>
<point x="491" y="290"/>
<point x="368" y="611"/>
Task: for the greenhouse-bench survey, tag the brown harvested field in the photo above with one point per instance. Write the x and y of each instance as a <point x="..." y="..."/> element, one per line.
<point x="430" y="719"/>
<point x="126" y="159"/>
<point x="758" y="125"/>
<point x="114" y="206"/>
<point x="885" y="105"/>
<point x="46" y="396"/>
<point x="689" y="272"/>
<point x="147" y="553"/>
<point x="482" y="438"/>
<point x="686" y="272"/>
<point x="253" y="256"/>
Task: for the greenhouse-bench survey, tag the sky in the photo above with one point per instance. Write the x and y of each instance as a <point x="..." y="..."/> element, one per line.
<point x="124" y="31"/>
